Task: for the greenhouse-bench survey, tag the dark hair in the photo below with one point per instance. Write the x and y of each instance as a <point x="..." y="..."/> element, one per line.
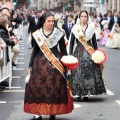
<point x="70" y="16"/>
<point x="38" y="11"/>
<point x="5" y="8"/>
<point x="83" y="11"/>
<point x="12" y="12"/>
<point x="44" y="17"/>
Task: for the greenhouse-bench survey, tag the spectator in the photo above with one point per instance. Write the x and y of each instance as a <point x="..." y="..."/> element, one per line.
<point x="2" y="44"/>
<point x="10" y="28"/>
<point x="4" y="34"/>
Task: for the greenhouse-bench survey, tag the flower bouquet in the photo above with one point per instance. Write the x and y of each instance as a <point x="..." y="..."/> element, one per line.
<point x="69" y="61"/>
<point x="101" y="33"/>
<point x="110" y="36"/>
<point x="99" y="57"/>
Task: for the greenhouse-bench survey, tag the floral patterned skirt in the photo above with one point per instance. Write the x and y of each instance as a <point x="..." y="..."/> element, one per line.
<point x="87" y="78"/>
<point x="47" y="92"/>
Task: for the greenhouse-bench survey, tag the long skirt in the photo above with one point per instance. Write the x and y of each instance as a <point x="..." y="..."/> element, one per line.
<point x="47" y="92"/>
<point x="104" y="38"/>
<point x="114" y="42"/>
<point x="87" y="77"/>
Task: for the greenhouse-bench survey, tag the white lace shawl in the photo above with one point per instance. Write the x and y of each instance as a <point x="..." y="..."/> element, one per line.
<point x="88" y="34"/>
<point x="54" y="37"/>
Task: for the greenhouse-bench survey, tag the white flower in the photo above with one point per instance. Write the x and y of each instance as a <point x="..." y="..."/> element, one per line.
<point x="98" y="56"/>
<point x="69" y="59"/>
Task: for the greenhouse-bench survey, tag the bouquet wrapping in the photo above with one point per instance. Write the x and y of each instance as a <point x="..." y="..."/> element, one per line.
<point x="69" y="61"/>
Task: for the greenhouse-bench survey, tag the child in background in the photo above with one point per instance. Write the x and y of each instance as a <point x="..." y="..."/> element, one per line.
<point x="104" y="37"/>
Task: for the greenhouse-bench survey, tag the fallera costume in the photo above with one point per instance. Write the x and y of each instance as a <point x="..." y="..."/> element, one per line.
<point x="87" y="77"/>
<point x="47" y="92"/>
<point x="114" y="39"/>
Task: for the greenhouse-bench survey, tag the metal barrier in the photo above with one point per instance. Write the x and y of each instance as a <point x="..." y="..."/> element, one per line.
<point x="6" y="69"/>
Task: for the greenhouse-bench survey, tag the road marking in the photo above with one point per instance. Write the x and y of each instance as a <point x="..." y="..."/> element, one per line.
<point x="118" y="101"/>
<point x="14" y="91"/>
<point x="21" y="48"/>
<point x="20" y="54"/>
<point x="22" y="51"/>
<point x="14" y="88"/>
<point x="20" y="58"/>
<point x="18" y="68"/>
<point x="20" y="63"/>
<point x="77" y="106"/>
<point x="14" y="77"/>
<point x="2" y="102"/>
<point x="109" y="92"/>
<point x="22" y="43"/>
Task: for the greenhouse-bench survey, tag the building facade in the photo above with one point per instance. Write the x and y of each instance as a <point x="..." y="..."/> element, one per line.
<point x="58" y="5"/>
<point x="112" y="5"/>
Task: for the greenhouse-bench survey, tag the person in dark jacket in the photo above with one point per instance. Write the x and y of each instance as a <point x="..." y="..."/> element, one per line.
<point x="4" y="34"/>
<point x="113" y="20"/>
<point x="68" y="26"/>
<point x="34" y="25"/>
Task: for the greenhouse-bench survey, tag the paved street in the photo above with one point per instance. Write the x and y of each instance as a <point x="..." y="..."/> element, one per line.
<point x="103" y="107"/>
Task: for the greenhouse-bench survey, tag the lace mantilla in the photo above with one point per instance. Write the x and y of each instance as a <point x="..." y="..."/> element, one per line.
<point x="53" y="39"/>
<point x="77" y="31"/>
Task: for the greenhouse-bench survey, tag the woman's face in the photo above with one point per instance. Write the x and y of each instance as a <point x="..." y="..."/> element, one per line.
<point x="83" y="18"/>
<point x="49" y="22"/>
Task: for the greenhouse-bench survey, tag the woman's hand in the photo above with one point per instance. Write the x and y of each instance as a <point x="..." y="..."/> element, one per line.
<point x="9" y="29"/>
<point x="29" y="71"/>
<point x="15" y="39"/>
<point x="14" y="23"/>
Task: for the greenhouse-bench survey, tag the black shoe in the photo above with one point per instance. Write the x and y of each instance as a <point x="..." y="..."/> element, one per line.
<point x="52" y="117"/>
<point x="85" y="98"/>
<point x="13" y="63"/>
<point x="39" y="118"/>
<point x="4" y="83"/>
<point x="79" y="98"/>
<point x="2" y="87"/>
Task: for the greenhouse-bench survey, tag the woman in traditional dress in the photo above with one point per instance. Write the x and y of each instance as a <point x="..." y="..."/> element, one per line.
<point x="114" y="37"/>
<point x="47" y="92"/>
<point x="87" y="77"/>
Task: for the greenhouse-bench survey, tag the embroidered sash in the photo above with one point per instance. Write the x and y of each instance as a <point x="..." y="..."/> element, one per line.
<point x="90" y="50"/>
<point x="47" y="52"/>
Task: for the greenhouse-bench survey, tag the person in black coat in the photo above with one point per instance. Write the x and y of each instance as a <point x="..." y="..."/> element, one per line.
<point x="5" y="36"/>
<point x="68" y="26"/>
<point x="34" y="25"/>
<point x="113" y="20"/>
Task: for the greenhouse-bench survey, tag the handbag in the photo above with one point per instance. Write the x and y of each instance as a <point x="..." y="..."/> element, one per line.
<point x="27" y="78"/>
